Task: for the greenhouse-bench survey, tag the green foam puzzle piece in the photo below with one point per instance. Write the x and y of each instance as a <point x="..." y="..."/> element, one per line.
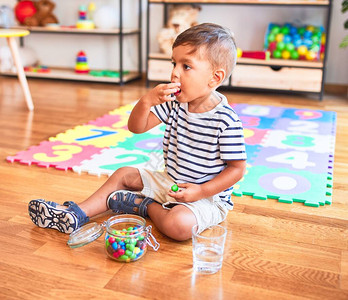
<point x="315" y="195"/>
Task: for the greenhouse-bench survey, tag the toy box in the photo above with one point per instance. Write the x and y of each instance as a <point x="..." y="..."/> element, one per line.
<point x="291" y="42"/>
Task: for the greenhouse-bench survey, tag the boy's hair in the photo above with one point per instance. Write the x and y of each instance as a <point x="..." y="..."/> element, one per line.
<point x="218" y="41"/>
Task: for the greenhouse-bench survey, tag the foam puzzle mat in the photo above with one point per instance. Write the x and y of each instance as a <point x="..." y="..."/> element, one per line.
<point x="290" y="151"/>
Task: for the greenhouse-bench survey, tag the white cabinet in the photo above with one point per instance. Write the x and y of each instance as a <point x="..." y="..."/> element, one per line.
<point x="292" y="76"/>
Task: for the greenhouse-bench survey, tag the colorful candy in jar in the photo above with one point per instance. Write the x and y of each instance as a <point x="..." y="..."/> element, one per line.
<point x="126" y="245"/>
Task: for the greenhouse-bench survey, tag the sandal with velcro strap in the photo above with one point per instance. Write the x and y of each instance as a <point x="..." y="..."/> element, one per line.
<point x="123" y="202"/>
<point x="46" y="214"/>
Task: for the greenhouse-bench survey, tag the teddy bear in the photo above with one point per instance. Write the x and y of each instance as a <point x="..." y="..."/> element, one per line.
<point x="181" y="17"/>
<point x="43" y="15"/>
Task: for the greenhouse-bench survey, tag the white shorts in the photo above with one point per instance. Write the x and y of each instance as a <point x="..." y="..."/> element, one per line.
<point x="209" y="211"/>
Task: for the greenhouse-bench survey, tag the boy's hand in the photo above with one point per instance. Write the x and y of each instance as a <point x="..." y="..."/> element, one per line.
<point x="161" y="93"/>
<point x="190" y="192"/>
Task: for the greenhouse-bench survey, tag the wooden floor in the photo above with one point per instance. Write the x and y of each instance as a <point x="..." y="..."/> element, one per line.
<point x="273" y="250"/>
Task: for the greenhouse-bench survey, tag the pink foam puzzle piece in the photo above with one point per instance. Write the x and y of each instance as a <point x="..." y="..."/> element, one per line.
<point x="254" y="136"/>
<point x="113" y="121"/>
<point x="56" y="154"/>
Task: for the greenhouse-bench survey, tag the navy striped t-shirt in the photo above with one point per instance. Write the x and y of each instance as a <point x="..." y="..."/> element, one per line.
<point x="196" y="146"/>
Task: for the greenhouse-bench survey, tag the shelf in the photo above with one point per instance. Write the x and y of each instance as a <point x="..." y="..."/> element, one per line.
<point x="283" y="75"/>
<point x="116" y="34"/>
<point x="69" y="74"/>
<point x="241" y="2"/>
<point x="269" y="62"/>
<point x="72" y="30"/>
<point x="281" y="63"/>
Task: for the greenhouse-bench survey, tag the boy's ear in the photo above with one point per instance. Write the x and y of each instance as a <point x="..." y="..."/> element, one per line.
<point x="217" y="78"/>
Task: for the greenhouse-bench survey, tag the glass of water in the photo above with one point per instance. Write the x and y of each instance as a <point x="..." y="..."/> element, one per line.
<point x="208" y="249"/>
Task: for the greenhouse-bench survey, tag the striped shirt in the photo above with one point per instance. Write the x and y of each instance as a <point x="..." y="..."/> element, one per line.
<point x="196" y="146"/>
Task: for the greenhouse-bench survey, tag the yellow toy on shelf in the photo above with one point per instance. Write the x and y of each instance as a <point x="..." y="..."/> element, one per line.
<point x="85" y="20"/>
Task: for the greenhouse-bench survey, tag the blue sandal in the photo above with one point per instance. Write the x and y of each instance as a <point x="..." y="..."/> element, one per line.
<point x="123" y="202"/>
<point x="45" y="214"/>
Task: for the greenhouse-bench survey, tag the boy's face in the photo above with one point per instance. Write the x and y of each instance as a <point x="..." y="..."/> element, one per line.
<point x="193" y="71"/>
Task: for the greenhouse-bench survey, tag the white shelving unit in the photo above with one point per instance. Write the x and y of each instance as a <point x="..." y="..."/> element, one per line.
<point x="118" y="34"/>
<point x="293" y="76"/>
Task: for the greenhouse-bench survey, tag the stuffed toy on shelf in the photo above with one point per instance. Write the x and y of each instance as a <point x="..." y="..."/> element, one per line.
<point x="35" y="13"/>
<point x="181" y="17"/>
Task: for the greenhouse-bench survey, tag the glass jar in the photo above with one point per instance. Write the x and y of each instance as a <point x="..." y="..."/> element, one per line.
<point x="126" y="237"/>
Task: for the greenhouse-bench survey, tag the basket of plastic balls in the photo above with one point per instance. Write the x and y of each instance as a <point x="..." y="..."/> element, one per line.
<point x="295" y="42"/>
<point x="126" y="237"/>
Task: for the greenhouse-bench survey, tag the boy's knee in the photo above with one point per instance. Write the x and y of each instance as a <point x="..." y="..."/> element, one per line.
<point x="130" y="178"/>
<point x="179" y="226"/>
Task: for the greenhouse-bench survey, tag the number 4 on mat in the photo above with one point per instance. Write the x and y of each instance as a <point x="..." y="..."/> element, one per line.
<point x="297" y="159"/>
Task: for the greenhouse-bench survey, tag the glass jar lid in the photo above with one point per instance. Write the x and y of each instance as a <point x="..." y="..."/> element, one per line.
<point x="85" y="235"/>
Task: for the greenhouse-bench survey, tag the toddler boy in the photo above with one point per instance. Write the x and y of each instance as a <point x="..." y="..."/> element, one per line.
<point x="203" y="147"/>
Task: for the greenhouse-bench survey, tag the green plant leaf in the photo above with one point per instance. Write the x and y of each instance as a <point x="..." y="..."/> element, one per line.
<point x="344" y="43"/>
<point x="346" y="24"/>
<point x="344" y="6"/>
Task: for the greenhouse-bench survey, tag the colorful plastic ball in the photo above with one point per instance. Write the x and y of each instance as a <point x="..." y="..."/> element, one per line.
<point x="293" y="30"/>
<point x="272" y="46"/>
<point x="297" y="42"/>
<point x="302" y="50"/>
<point x="285" y="30"/>
<point x="317" y="30"/>
<point x="323" y="38"/>
<point x="311" y="55"/>
<point x="275" y="29"/>
<point x="285" y="54"/>
<point x="271" y="37"/>
<point x="307" y="34"/>
<point x="307" y="42"/>
<point x="294" y="54"/>
<point x="310" y="28"/>
<point x="289" y="47"/>
<point x="315" y="48"/>
<point x="301" y="31"/>
<point x="279" y="37"/>
<point x="239" y="52"/>
<point x="23" y="10"/>
<point x="315" y="39"/>
<point x="287" y="39"/>
<point x="277" y="54"/>
<point x="280" y="46"/>
<point x="296" y="37"/>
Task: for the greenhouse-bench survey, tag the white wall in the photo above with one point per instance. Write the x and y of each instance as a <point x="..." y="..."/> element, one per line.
<point x="249" y="24"/>
<point x="337" y="63"/>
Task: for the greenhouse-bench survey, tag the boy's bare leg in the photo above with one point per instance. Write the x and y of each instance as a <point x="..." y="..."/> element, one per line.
<point x="126" y="178"/>
<point x="175" y="223"/>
